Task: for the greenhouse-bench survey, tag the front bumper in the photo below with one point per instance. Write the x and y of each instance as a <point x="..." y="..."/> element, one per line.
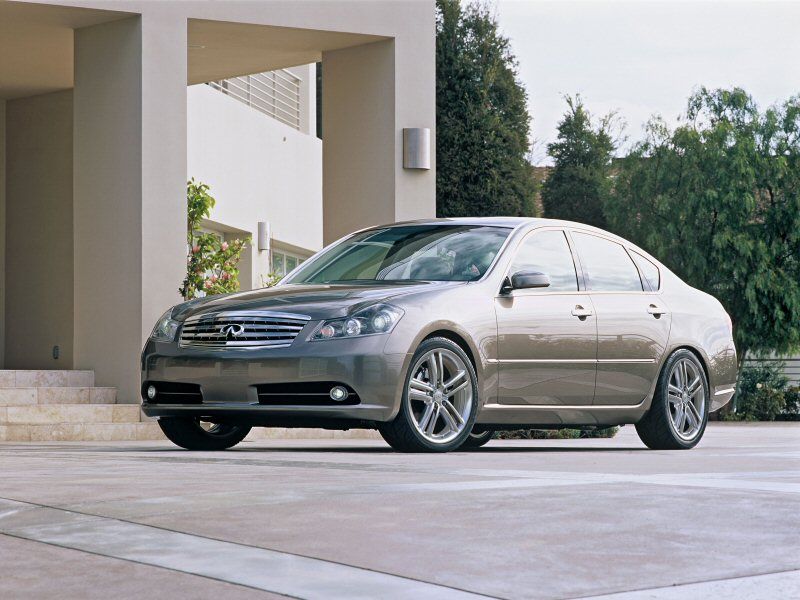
<point x="228" y="380"/>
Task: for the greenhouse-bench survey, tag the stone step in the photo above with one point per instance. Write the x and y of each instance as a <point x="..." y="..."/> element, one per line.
<point x="57" y="395"/>
<point x="45" y="378"/>
<point x="81" y="432"/>
<point x="52" y="414"/>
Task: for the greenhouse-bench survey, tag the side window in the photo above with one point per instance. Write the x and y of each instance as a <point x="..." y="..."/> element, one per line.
<point x="648" y="269"/>
<point x="607" y="264"/>
<point x="548" y="252"/>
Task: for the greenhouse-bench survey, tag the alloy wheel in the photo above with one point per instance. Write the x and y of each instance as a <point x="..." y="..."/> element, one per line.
<point x="686" y="396"/>
<point x="440" y="395"/>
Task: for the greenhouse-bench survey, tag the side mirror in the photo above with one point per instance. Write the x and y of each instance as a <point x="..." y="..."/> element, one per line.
<point x="523" y="280"/>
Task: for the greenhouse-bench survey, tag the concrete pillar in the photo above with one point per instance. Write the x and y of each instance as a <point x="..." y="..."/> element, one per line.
<point x="2" y="232"/>
<point x="129" y="189"/>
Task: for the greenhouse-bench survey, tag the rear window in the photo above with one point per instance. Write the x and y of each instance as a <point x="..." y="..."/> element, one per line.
<point x="607" y="264"/>
<point x="648" y="269"/>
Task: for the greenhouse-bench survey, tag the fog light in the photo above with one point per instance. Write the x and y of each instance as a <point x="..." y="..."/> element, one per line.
<point x="151" y="392"/>
<point x="339" y="393"/>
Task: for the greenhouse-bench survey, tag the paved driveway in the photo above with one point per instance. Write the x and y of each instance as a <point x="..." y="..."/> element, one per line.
<point x="350" y="519"/>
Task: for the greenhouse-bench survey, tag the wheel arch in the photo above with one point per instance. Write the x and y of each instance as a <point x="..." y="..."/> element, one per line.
<point x="456" y="339"/>
<point x="698" y="354"/>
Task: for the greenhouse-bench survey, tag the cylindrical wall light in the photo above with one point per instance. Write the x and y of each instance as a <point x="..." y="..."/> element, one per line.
<point x="263" y="235"/>
<point x="416" y="148"/>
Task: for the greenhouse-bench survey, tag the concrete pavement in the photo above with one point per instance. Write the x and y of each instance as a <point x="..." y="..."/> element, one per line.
<point x="351" y="519"/>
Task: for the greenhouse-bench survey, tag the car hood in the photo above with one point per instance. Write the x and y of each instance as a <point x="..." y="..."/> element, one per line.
<point x="322" y="301"/>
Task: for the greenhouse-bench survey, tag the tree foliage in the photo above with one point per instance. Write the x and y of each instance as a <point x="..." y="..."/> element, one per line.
<point x="717" y="200"/>
<point x="579" y="182"/>
<point x="211" y="262"/>
<point x="482" y="121"/>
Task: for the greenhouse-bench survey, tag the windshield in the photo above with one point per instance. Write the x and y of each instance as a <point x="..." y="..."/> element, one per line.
<point x="407" y="252"/>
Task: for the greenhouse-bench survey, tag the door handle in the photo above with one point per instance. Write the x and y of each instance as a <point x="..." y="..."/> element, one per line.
<point x="656" y="310"/>
<point x="581" y="312"/>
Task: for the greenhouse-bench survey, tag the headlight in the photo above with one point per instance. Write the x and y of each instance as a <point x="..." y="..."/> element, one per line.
<point x="378" y="318"/>
<point x="165" y="329"/>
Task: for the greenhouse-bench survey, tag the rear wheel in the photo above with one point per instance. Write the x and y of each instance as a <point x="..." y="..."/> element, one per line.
<point x="194" y="434"/>
<point x="477" y="440"/>
<point x="679" y="413"/>
<point x="439" y="402"/>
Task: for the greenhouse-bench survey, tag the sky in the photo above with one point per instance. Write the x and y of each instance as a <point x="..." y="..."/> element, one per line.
<point x="645" y="57"/>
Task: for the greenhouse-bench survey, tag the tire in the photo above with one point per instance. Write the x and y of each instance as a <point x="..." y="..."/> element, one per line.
<point x="190" y="434"/>
<point x="660" y="428"/>
<point x="431" y="419"/>
<point x="477" y="440"/>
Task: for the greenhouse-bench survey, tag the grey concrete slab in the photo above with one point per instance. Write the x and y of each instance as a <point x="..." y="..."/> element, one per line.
<point x="759" y="587"/>
<point x="35" y="571"/>
<point x="522" y="519"/>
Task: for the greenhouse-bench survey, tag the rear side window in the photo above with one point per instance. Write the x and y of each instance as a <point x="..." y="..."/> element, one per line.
<point x="607" y="264"/>
<point x="548" y="252"/>
<point x="648" y="269"/>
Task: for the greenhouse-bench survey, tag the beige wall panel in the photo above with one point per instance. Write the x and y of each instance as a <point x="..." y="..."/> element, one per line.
<point x="2" y="232"/>
<point x="39" y="302"/>
<point x="358" y="153"/>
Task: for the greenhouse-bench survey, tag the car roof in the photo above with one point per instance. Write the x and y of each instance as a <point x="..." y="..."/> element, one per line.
<point x="508" y="222"/>
<point x="518" y="222"/>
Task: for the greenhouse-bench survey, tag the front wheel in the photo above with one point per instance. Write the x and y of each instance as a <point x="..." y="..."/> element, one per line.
<point x="194" y="434"/>
<point x="439" y="403"/>
<point x="678" y="415"/>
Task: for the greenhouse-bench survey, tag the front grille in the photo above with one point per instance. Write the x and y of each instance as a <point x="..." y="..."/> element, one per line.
<point x="307" y="393"/>
<point x="248" y="329"/>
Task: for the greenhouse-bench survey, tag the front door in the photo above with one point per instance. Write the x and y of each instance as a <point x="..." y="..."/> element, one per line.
<point x="547" y="337"/>
<point x="633" y="322"/>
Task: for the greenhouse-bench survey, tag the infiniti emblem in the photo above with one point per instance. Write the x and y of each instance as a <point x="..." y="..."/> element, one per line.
<point x="232" y="330"/>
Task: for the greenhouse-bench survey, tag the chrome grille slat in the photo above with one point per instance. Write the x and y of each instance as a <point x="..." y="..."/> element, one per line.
<point x="260" y="329"/>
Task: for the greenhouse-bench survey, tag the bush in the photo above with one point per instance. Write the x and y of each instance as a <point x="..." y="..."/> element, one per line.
<point x="792" y="410"/>
<point x="557" y="434"/>
<point x="211" y="265"/>
<point x="762" y="394"/>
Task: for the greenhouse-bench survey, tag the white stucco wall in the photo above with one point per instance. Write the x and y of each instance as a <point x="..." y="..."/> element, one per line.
<point x="258" y="169"/>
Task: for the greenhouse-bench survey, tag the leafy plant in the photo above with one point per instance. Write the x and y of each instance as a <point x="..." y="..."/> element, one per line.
<point x="557" y="434"/>
<point x="579" y="182"/>
<point x="762" y="393"/>
<point x="211" y="262"/>
<point x="270" y="280"/>
<point x="717" y="200"/>
<point x="482" y="120"/>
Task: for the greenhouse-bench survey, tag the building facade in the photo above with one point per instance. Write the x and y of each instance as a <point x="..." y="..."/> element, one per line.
<point x="105" y="113"/>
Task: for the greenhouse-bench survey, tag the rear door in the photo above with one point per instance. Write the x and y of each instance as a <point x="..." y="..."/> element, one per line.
<point x="633" y="322"/>
<point x="547" y="337"/>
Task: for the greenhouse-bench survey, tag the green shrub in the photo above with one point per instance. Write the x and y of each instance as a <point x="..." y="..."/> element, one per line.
<point x="557" y="434"/>
<point x="792" y="410"/>
<point x="762" y="394"/>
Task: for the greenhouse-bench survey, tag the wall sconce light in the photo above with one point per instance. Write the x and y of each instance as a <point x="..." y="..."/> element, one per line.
<point x="264" y="235"/>
<point x="416" y="148"/>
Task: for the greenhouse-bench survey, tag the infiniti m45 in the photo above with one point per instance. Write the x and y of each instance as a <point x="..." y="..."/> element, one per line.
<point x="439" y="333"/>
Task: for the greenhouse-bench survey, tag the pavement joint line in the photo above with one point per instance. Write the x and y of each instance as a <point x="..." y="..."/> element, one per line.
<point x="333" y="579"/>
<point x="678" y="586"/>
<point x="146" y="564"/>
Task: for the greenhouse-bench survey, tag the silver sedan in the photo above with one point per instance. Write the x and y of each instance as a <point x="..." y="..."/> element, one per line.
<point x="438" y="333"/>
